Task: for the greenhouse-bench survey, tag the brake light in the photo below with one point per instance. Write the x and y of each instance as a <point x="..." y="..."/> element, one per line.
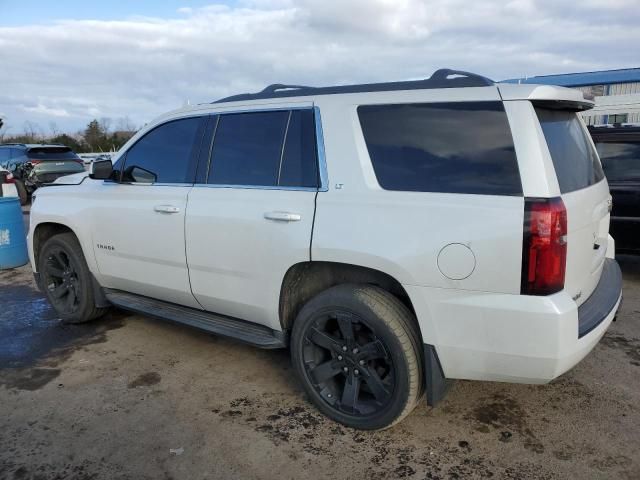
<point x="33" y="161"/>
<point x="544" y="246"/>
<point x="9" y="178"/>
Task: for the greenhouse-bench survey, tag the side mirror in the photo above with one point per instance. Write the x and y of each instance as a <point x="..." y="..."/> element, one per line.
<point x="101" y="170"/>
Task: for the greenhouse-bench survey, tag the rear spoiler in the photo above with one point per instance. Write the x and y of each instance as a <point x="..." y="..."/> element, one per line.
<point x="547" y="96"/>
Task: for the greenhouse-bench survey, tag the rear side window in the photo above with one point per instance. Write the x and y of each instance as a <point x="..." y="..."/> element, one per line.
<point x="269" y="149"/>
<point x="620" y="160"/>
<point x="166" y="154"/>
<point x="462" y="147"/>
<point x="52" y="153"/>
<point x="574" y="159"/>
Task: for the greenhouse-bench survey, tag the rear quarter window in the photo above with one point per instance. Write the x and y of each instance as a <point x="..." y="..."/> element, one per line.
<point x="461" y="147"/>
<point x="574" y="159"/>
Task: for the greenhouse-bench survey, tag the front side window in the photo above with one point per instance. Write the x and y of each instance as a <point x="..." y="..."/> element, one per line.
<point x="620" y="160"/>
<point x="574" y="159"/>
<point x="166" y="154"/>
<point x="274" y="148"/>
<point x="461" y="147"/>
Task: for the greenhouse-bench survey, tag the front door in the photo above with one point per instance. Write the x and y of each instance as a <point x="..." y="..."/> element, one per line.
<point x="138" y="220"/>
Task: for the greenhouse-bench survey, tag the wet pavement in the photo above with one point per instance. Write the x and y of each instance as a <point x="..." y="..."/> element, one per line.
<point x="128" y="397"/>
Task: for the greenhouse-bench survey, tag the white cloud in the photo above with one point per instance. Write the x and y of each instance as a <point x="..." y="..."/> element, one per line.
<point x="140" y="67"/>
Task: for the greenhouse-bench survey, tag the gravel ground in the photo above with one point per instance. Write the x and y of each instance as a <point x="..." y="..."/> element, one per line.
<point x="129" y="397"/>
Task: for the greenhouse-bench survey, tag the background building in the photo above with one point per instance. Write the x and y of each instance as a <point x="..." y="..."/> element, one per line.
<point x="616" y="93"/>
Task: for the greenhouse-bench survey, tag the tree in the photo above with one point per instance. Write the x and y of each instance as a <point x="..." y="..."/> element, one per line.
<point x="95" y="136"/>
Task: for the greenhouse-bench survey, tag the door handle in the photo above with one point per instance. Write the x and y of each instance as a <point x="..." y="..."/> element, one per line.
<point x="166" y="209"/>
<point x="283" y="216"/>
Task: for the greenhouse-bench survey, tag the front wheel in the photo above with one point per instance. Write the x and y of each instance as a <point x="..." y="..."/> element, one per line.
<point x="66" y="279"/>
<point x="357" y="352"/>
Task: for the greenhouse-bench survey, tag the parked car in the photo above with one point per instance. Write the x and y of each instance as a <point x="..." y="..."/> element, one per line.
<point x="394" y="236"/>
<point x="33" y="165"/>
<point x="8" y="185"/>
<point x="619" y="150"/>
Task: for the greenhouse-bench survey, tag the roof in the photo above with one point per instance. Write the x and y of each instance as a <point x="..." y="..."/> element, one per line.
<point x="443" y="78"/>
<point x="602" y="77"/>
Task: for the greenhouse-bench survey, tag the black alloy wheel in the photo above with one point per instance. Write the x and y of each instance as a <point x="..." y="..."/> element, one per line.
<point x="358" y="353"/>
<point x="348" y="365"/>
<point x="60" y="277"/>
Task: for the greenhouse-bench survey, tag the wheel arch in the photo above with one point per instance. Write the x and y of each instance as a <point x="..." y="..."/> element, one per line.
<point x="305" y="280"/>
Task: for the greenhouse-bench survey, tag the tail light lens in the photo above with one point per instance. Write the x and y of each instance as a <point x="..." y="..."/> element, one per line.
<point x="33" y="161"/>
<point x="544" y="246"/>
<point x="9" y="178"/>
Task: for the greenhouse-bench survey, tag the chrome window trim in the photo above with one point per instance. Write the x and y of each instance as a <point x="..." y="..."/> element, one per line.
<point x="257" y="187"/>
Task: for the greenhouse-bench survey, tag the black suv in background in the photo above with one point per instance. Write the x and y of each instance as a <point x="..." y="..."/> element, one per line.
<point x="35" y="164"/>
<point x="619" y="150"/>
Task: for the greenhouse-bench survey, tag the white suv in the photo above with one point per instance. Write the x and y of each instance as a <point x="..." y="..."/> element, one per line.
<point x="392" y="235"/>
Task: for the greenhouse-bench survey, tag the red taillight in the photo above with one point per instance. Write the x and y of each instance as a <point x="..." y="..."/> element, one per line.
<point x="9" y="178"/>
<point x="544" y="247"/>
<point x="33" y="161"/>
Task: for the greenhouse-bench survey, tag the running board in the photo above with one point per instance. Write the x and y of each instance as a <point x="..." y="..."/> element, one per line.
<point x="247" y="332"/>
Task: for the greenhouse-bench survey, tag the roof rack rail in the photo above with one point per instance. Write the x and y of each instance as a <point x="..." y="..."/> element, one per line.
<point x="442" y="78"/>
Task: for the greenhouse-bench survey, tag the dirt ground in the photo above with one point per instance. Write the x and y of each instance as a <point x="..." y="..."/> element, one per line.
<point x="130" y="397"/>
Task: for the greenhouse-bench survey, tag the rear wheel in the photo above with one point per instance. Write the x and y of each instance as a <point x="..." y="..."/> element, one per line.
<point x="358" y="355"/>
<point x="67" y="280"/>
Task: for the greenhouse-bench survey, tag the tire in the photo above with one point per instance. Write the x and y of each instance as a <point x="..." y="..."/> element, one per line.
<point x="22" y="192"/>
<point x="66" y="279"/>
<point x="383" y="379"/>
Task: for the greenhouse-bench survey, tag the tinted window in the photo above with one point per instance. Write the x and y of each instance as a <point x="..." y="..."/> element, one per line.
<point x="620" y="161"/>
<point x="51" y="153"/>
<point x="299" y="163"/>
<point x="165" y="154"/>
<point x="247" y="148"/>
<point x="442" y="147"/>
<point x="5" y="154"/>
<point x="574" y="159"/>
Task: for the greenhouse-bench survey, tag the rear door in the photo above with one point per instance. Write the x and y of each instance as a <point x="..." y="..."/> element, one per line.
<point x="585" y="193"/>
<point x="251" y="218"/>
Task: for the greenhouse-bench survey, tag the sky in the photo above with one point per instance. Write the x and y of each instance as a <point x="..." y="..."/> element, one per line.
<point x="64" y="63"/>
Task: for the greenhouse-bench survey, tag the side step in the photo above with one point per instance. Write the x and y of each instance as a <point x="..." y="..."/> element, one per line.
<point x="251" y="333"/>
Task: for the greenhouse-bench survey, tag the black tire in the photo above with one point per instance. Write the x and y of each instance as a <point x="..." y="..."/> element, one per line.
<point x="383" y="379"/>
<point x="66" y="279"/>
<point x="22" y="192"/>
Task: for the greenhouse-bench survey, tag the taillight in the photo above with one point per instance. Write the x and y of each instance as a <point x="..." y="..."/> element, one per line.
<point x="34" y="161"/>
<point x="544" y="246"/>
<point x="9" y="178"/>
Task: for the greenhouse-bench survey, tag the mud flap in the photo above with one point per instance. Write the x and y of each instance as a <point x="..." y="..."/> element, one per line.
<point x="437" y="385"/>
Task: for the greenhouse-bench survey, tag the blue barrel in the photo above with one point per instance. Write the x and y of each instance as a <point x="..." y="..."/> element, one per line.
<point x="13" y="241"/>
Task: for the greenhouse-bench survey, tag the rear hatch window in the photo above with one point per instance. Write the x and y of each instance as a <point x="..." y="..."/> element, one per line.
<point x="620" y="160"/>
<point x="574" y="159"/>
<point x="52" y="153"/>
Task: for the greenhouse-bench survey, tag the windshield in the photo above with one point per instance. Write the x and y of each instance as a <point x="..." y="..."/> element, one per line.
<point x="620" y="160"/>
<point x="574" y="158"/>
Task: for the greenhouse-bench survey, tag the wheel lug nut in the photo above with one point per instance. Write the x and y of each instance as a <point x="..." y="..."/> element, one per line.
<point x="356" y="372"/>
<point x="339" y="357"/>
<point x="345" y="369"/>
<point x="355" y="350"/>
<point x="329" y="395"/>
<point x="361" y="362"/>
<point x="344" y="348"/>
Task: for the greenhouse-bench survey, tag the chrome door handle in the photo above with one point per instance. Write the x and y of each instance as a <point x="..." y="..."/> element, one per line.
<point x="166" y="209"/>
<point x="283" y="216"/>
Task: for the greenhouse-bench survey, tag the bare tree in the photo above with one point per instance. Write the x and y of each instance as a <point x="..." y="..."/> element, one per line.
<point x="32" y="131"/>
<point x="105" y="124"/>
<point x="124" y="124"/>
<point x="53" y="128"/>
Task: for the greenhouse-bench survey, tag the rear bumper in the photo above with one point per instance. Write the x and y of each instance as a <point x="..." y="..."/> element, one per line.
<point x="514" y="338"/>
